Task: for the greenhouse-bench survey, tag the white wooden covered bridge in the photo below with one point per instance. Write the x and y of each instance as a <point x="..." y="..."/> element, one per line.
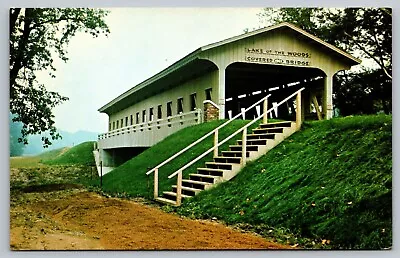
<point x="219" y="81"/>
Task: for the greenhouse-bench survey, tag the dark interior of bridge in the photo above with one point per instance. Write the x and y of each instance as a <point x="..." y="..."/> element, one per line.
<point x="247" y="83"/>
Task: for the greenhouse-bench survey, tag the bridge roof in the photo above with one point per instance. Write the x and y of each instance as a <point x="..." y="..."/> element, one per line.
<point x="191" y="64"/>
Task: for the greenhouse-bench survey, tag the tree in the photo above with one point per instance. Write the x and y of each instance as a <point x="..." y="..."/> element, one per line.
<point x="369" y="33"/>
<point x="365" y="92"/>
<point x="37" y="37"/>
<point x="364" y="32"/>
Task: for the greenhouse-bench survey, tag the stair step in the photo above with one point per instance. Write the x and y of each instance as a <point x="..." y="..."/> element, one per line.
<point x="187" y="190"/>
<point x="172" y="195"/>
<point x="268" y="130"/>
<point x="234" y="153"/>
<point x="261" y="136"/>
<point x="203" y="178"/>
<point x="239" y="148"/>
<point x="210" y="171"/>
<point x="254" y="142"/>
<point x="166" y="201"/>
<point x="235" y="160"/>
<point x="226" y="166"/>
<point x="195" y="184"/>
<point x="277" y="124"/>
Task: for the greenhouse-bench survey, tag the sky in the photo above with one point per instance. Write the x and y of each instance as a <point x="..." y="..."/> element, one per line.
<point x="142" y="42"/>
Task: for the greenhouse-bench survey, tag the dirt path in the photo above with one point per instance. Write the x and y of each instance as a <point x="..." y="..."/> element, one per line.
<point x="76" y="219"/>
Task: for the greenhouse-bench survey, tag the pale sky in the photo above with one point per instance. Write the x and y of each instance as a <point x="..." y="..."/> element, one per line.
<point x="142" y="42"/>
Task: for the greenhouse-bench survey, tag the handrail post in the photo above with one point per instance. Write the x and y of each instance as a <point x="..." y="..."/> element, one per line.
<point x="179" y="189"/>
<point x="265" y="111"/>
<point x="155" y="183"/>
<point x="216" y="144"/>
<point x="198" y="115"/>
<point x="244" y="146"/>
<point x="298" y="110"/>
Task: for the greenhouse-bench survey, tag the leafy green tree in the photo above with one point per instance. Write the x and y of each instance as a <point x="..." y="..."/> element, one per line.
<point x="364" y="32"/>
<point x="363" y="93"/>
<point x="37" y="37"/>
<point x="16" y="148"/>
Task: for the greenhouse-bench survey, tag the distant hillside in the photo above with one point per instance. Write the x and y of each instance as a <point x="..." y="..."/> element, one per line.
<point x="68" y="140"/>
<point x="78" y="155"/>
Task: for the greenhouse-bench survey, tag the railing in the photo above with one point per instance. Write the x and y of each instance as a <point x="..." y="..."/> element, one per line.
<point x="169" y="121"/>
<point x="215" y="148"/>
<point x="179" y="172"/>
<point x="149" y="133"/>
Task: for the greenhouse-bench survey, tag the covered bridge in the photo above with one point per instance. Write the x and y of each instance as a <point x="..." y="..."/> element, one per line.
<point x="218" y="80"/>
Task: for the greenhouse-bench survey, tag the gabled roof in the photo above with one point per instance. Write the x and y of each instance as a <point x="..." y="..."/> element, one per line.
<point x="276" y="26"/>
<point x="195" y="55"/>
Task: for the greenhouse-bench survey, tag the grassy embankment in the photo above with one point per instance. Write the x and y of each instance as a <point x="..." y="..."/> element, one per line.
<point x="332" y="181"/>
<point x="80" y="154"/>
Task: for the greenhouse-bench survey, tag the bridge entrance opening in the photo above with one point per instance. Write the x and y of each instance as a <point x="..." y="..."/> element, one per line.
<point x="247" y="83"/>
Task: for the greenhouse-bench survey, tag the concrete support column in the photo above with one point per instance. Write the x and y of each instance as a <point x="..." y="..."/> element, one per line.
<point x="221" y="92"/>
<point x="327" y="102"/>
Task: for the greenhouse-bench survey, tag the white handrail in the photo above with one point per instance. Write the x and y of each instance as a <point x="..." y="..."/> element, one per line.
<point x="232" y="135"/>
<point x="149" y="123"/>
<point x="205" y="136"/>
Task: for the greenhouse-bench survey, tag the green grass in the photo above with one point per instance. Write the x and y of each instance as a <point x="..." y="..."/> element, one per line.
<point x="332" y="181"/>
<point x="33" y="161"/>
<point x="24" y="161"/>
<point x="130" y="178"/>
<point x="53" y="170"/>
<point x="52" y="154"/>
<point x="81" y="154"/>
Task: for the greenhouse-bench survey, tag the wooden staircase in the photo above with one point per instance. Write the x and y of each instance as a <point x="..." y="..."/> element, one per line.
<point x="229" y="164"/>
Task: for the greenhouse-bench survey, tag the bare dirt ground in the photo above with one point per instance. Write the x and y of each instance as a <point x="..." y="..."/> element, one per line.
<point x="63" y="216"/>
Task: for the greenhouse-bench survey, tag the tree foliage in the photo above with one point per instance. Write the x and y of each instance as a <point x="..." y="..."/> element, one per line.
<point x="37" y="37"/>
<point x="366" y="33"/>
<point x="363" y="93"/>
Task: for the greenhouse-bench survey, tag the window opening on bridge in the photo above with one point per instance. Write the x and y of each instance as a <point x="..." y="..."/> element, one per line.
<point x="159" y="112"/>
<point x="151" y="114"/>
<point x="143" y="116"/>
<point x="137" y="117"/>
<point x="126" y="121"/>
<point x="109" y="127"/>
<point x="117" y="124"/>
<point x="169" y="108"/>
<point x="131" y="119"/>
<point x="193" y="105"/>
<point x="122" y="122"/>
<point x="113" y="125"/>
<point x="208" y="93"/>
<point x="179" y="104"/>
